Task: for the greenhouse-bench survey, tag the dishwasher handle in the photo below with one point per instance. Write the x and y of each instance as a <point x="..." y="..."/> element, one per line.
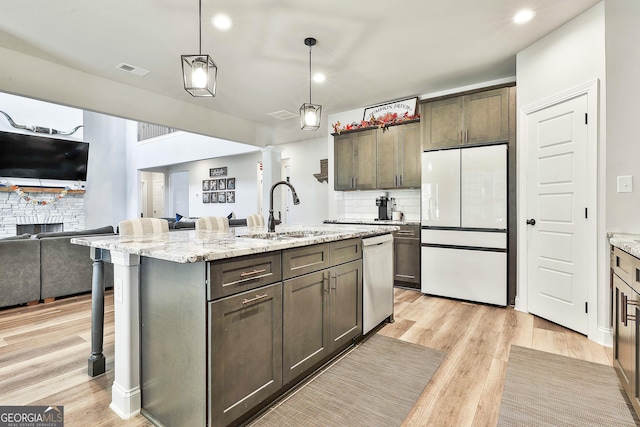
<point x="377" y="240"/>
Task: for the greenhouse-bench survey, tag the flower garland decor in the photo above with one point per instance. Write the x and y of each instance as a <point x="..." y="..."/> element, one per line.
<point x="382" y="122"/>
<point x="16" y="189"/>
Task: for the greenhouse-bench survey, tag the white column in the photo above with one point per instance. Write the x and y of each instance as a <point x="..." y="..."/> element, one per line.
<point x="125" y="393"/>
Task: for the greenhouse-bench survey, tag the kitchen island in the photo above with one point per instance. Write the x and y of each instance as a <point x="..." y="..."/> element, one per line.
<point x="210" y="326"/>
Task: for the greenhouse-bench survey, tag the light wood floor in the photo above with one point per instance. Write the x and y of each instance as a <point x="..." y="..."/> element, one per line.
<point x="44" y="351"/>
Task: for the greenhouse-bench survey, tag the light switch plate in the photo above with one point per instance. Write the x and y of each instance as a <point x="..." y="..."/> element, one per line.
<point x="625" y="184"/>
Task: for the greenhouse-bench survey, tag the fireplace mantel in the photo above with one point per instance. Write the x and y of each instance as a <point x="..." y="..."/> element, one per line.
<point x="42" y="190"/>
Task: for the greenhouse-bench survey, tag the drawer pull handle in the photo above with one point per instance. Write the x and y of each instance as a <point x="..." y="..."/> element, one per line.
<point x="405" y="233"/>
<point x="252" y="300"/>
<point x="252" y="273"/>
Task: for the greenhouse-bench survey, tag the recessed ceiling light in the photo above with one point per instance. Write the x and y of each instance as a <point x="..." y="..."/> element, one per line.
<point x="222" y="22"/>
<point x="319" y="78"/>
<point x="525" y="15"/>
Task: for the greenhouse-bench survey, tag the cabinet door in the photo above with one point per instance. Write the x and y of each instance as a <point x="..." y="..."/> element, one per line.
<point x="387" y="158"/>
<point x="624" y="336"/>
<point x="407" y="261"/>
<point x="365" y="155"/>
<point x="245" y="352"/>
<point x="346" y="303"/>
<point x="409" y="149"/>
<point x="442" y="121"/>
<point x="486" y="116"/>
<point x="305" y="322"/>
<point x="344" y="162"/>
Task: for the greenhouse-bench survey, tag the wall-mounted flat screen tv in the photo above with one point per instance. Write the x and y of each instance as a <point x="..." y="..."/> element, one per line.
<point x="31" y="156"/>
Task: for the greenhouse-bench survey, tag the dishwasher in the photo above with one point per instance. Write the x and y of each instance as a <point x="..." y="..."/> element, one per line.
<point x="377" y="293"/>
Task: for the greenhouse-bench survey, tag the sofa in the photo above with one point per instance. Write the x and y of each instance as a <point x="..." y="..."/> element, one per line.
<point x="190" y="223"/>
<point x="46" y="265"/>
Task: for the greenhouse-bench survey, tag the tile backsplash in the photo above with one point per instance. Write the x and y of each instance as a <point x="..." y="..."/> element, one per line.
<point x="361" y="205"/>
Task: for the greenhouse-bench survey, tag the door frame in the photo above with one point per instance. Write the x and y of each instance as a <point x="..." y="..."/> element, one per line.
<point x="591" y="89"/>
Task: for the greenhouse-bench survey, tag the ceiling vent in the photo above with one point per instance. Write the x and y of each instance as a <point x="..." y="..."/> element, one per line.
<point x="131" y="69"/>
<point x="282" y="115"/>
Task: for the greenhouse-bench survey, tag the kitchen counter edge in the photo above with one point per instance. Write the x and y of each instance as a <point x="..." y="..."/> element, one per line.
<point x="188" y="246"/>
<point x="629" y="243"/>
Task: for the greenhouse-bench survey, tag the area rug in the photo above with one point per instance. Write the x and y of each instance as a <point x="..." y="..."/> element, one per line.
<point x="376" y="384"/>
<point x="545" y="389"/>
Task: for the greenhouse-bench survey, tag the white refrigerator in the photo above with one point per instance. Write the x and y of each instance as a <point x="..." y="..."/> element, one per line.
<point x="464" y="223"/>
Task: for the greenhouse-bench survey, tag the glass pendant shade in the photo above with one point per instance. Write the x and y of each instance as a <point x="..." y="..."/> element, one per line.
<point x="199" y="73"/>
<point x="310" y="116"/>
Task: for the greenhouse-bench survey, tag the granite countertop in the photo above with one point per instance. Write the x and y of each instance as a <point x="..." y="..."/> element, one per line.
<point x="185" y="246"/>
<point x="629" y="243"/>
<point x="370" y="222"/>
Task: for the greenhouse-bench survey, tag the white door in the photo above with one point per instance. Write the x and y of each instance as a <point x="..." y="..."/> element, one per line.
<point x="143" y="198"/>
<point x="557" y="199"/>
<point x="158" y="198"/>
<point x="179" y="190"/>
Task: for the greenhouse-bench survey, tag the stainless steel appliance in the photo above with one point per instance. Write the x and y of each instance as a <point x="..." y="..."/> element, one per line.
<point x="384" y="207"/>
<point x="377" y="292"/>
<point x="464" y="223"/>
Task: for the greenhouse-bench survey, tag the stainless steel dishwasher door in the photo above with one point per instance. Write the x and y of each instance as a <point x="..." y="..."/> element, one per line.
<point x="377" y="294"/>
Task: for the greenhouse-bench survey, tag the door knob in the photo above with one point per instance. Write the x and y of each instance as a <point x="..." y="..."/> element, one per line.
<point x="531" y="221"/>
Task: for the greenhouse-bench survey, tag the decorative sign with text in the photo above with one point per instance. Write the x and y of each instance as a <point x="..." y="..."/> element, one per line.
<point x="213" y="172"/>
<point x="403" y="107"/>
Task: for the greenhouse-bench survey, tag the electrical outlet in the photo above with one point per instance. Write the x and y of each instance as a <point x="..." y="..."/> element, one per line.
<point x="625" y="184"/>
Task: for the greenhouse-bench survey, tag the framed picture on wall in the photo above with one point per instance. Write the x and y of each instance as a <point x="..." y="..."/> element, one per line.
<point x="214" y="197"/>
<point x="206" y="197"/>
<point x="222" y="184"/>
<point x="205" y="185"/>
<point x="213" y="184"/>
<point x="231" y="183"/>
<point x="222" y="197"/>
<point x="231" y="196"/>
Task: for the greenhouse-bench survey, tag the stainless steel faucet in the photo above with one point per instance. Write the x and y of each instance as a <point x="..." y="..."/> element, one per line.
<point x="296" y="201"/>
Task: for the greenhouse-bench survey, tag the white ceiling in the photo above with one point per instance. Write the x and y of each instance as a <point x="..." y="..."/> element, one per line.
<point x="371" y="51"/>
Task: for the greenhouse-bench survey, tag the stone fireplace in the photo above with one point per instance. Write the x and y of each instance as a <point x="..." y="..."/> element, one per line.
<point x="16" y="214"/>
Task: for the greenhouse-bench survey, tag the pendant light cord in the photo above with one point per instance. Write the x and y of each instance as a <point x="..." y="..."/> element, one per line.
<point x="310" y="74"/>
<point x="200" y="25"/>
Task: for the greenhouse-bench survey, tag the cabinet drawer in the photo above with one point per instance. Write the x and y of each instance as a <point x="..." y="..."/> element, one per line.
<point x="623" y="265"/>
<point x="235" y="275"/>
<point x="307" y="259"/>
<point x="344" y="251"/>
<point x="407" y="232"/>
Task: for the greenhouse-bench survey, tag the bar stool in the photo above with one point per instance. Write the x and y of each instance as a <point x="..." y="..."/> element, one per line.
<point x="255" y="221"/>
<point x="143" y="227"/>
<point x="212" y="223"/>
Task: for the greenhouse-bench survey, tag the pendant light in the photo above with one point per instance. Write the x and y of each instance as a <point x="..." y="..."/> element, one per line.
<point x="199" y="71"/>
<point x="310" y="113"/>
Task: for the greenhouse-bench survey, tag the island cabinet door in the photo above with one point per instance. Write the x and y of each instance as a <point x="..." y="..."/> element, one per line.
<point x="345" y="289"/>
<point x="305" y="322"/>
<point x="624" y="335"/>
<point x="245" y="352"/>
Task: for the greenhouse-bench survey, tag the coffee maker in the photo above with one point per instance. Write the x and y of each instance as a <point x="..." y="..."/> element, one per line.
<point x="384" y="205"/>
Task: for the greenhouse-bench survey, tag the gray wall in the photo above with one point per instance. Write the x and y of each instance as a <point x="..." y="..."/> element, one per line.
<point x="622" y="20"/>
